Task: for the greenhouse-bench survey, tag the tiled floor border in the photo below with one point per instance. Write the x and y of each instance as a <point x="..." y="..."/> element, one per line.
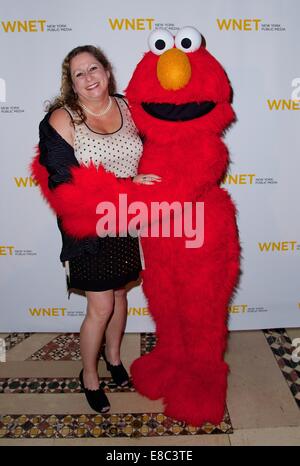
<point x="282" y="349"/>
<point x="88" y="426"/>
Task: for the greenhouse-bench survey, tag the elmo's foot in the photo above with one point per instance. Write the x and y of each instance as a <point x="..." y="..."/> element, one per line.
<point x="151" y="374"/>
<point x="198" y="397"/>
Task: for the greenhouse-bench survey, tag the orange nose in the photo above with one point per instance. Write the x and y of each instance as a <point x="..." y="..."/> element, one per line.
<point x="173" y="69"/>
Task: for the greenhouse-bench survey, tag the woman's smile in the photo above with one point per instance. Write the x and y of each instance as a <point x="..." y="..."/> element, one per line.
<point x="92" y="86"/>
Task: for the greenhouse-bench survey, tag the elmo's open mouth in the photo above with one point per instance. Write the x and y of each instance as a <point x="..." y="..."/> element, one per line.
<point x="182" y="112"/>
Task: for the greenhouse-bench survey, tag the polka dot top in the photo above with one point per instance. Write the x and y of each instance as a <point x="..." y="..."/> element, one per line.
<point x="119" y="152"/>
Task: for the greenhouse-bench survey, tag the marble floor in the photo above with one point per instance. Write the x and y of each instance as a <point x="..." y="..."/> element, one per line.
<point x="41" y="402"/>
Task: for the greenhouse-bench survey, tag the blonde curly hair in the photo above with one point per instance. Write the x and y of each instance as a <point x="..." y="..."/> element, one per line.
<point x="67" y="95"/>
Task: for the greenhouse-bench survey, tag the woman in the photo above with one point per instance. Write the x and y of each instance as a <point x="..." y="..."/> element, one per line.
<point x="89" y="123"/>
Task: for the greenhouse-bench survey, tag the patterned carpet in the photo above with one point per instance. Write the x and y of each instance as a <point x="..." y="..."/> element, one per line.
<point x="65" y="348"/>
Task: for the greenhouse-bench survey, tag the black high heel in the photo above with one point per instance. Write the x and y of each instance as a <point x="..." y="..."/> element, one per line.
<point x="97" y="399"/>
<point x="118" y="372"/>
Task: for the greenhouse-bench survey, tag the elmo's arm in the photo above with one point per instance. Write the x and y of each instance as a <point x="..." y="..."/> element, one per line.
<point x="191" y="171"/>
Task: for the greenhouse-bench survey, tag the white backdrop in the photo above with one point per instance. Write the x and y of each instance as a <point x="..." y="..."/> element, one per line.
<point x="258" y="43"/>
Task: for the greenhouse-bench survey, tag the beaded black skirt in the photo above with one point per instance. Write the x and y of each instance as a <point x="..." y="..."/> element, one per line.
<point x="116" y="263"/>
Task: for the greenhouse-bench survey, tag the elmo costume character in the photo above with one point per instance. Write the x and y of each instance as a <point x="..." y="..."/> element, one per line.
<point x="180" y="101"/>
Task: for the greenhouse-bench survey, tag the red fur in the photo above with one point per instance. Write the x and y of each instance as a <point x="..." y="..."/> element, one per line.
<point x="188" y="290"/>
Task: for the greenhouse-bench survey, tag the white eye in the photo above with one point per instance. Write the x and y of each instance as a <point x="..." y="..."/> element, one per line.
<point x="188" y="39"/>
<point x="160" y="40"/>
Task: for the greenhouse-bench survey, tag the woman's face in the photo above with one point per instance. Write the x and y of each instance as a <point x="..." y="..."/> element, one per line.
<point x="89" y="78"/>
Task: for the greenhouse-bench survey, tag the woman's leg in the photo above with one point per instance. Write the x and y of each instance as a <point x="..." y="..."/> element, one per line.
<point x="116" y="327"/>
<point x="100" y="305"/>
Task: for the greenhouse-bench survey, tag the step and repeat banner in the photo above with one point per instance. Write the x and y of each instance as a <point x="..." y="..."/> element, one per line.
<point x="258" y="43"/>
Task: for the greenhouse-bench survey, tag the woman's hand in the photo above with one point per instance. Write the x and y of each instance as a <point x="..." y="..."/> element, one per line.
<point x="146" y="179"/>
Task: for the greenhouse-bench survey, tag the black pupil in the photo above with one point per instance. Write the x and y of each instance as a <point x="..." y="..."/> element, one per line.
<point x="186" y="43"/>
<point x="160" y="44"/>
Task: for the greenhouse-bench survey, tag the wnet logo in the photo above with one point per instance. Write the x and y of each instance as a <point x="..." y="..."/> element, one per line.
<point x="283" y="104"/>
<point x="233" y="24"/>
<point x="239" y="179"/>
<point x="138" y="311"/>
<point x="238" y="309"/>
<point x="131" y="24"/>
<point x="47" y="311"/>
<point x="279" y="246"/>
<point x="6" y="250"/>
<point x="13" y="251"/>
<point x="27" y="182"/>
<point x="31" y="25"/>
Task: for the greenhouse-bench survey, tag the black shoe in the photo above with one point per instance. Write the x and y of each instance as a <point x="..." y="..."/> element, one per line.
<point x="118" y="372"/>
<point x="97" y="399"/>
